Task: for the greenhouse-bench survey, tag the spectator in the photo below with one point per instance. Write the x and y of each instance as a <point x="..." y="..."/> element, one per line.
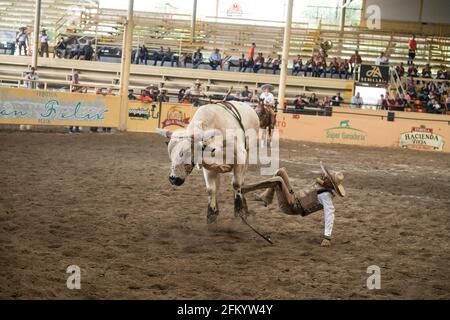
<point x="337" y="100"/>
<point x="447" y="102"/>
<point x="313" y="101"/>
<point x="357" y="101"/>
<point x="75" y="50"/>
<point x="75" y="80"/>
<point x="344" y="69"/>
<point x="276" y="64"/>
<point x="400" y="70"/>
<point x="168" y="56"/>
<point x="297" y="65"/>
<point x="142" y="55"/>
<point x="442" y="73"/>
<point x="197" y="59"/>
<point x="22" y="40"/>
<point x="215" y="60"/>
<point x="412" y="71"/>
<point x="145" y="96"/>
<point x="60" y="49"/>
<point x="163" y="97"/>
<point x="44" y="44"/>
<point x="181" y="95"/>
<point x="412" y="47"/>
<point x="355" y="60"/>
<point x="320" y="67"/>
<point x="326" y="102"/>
<point x="31" y="78"/>
<point x="245" y="95"/>
<point x="259" y="63"/>
<point x="381" y="60"/>
<point x="309" y="67"/>
<point x="131" y="95"/>
<point x="250" y="57"/>
<point x="267" y="96"/>
<point x="382" y="103"/>
<point x="158" y="55"/>
<point x="434" y="107"/>
<point x="426" y="71"/>
<point x="334" y="68"/>
<point x="300" y="102"/>
<point x="88" y="52"/>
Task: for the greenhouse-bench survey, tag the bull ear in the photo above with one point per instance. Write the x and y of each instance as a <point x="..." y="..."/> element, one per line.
<point x="164" y="132"/>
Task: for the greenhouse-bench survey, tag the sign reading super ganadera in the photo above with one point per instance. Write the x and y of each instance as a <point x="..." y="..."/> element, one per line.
<point x="345" y="133"/>
<point x="422" y="138"/>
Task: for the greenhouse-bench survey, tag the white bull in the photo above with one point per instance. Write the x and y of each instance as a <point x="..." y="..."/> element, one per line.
<point x="210" y="120"/>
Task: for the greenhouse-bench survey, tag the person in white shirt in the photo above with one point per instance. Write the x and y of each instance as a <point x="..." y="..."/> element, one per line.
<point x="267" y="96"/>
<point x="22" y="40"/>
<point x="44" y="44"/>
<point x="381" y="60"/>
<point x="357" y="101"/>
<point x="31" y="77"/>
<point x="306" y="201"/>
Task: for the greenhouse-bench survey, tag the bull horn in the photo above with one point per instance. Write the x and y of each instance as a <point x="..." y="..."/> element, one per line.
<point x="164" y="132"/>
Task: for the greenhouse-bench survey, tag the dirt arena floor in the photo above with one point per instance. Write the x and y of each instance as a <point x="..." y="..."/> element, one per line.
<point x="103" y="202"/>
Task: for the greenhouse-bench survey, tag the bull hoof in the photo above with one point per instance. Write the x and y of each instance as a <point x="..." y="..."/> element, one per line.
<point x="240" y="207"/>
<point x="212" y="215"/>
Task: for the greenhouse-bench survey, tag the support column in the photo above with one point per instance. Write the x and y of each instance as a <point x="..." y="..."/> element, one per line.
<point x="37" y="25"/>
<point x="126" y="66"/>
<point x="193" y="21"/>
<point x="343" y="11"/>
<point x="285" y="55"/>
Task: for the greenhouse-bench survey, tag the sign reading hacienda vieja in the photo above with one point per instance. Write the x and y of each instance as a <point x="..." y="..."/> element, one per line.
<point x="52" y="110"/>
<point x="422" y="138"/>
<point x="345" y="132"/>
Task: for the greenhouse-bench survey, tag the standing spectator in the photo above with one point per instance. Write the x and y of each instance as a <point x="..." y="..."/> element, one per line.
<point x="250" y="57"/>
<point x="337" y="100"/>
<point x="412" y="47"/>
<point x="344" y="69"/>
<point x="334" y="68"/>
<point x="197" y="59"/>
<point x="75" y="50"/>
<point x="142" y="55"/>
<point x="168" y="56"/>
<point x="22" y="40"/>
<point x="245" y="95"/>
<point x="60" y="49"/>
<point x="276" y="64"/>
<point x="215" y="60"/>
<point x="381" y="60"/>
<point x="158" y="55"/>
<point x="31" y="78"/>
<point x="44" y="44"/>
<point x="259" y="63"/>
<point x="357" y="101"/>
<point x="355" y="60"/>
<point x="297" y="65"/>
<point x="88" y="52"/>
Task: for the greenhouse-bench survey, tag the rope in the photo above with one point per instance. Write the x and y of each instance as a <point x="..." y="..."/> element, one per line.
<point x="267" y="238"/>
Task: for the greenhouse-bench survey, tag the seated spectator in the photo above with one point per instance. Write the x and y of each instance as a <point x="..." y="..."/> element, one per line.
<point x="169" y="56"/>
<point x="297" y="65"/>
<point x="259" y="63"/>
<point x="197" y="59"/>
<point x="215" y="60"/>
<point x="300" y="102"/>
<point x="145" y="96"/>
<point x="326" y="102"/>
<point x="400" y="70"/>
<point x="357" y="101"/>
<point x="75" y="50"/>
<point x="75" y="80"/>
<point x="344" y="69"/>
<point x="320" y="67"/>
<point x="426" y="71"/>
<point x="31" y="78"/>
<point x="276" y="64"/>
<point x="401" y="101"/>
<point x="158" y="55"/>
<point x="163" y="97"/>
<point x="412" y="71"/>
<point x="309" y="67"/>
<point x="382" y="60"/>
<point x="382" y="103"/>
<point x="337" y="100"/>
<point x="153" y="91"/>
<point x="434" y="107"/>
<point x="313" y="101"/>
<point x="447" y="102"/>
<point x="334" y="68"/>
<point x="60" y="49"/>
<point x="355" y="60"/>
<point x="245" y="95"/>
<point x="442" y="73"/>
<point x="181" y="94"/>
<point x="131" y="95"/>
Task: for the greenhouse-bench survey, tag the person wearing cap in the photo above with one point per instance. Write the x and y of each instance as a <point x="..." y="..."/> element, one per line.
<point x="195" y="94"/>
<point x="44" y="44"/>
<point x="306" y="201"/>
<point x="22" y="40"/>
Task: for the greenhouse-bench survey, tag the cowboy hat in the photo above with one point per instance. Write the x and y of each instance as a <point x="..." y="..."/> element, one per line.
<point x="336" y="179"/>
<point x="267" y="86"/>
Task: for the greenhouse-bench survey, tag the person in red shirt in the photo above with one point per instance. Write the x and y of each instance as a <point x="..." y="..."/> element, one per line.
<point x="355" y="60"/>
<point x="250" y="57"/>
<point x="334" y="67"/>
<point x="412" y="46"/>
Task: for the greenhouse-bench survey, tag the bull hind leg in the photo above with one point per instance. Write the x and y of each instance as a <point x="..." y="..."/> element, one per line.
<point x="212" y="180"/>
<point x="240" y="203"/>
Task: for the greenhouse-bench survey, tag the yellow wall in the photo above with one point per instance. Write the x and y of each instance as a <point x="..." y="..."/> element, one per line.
<point x="37" y="107"/>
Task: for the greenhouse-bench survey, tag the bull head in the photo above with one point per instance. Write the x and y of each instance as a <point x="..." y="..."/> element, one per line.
<point x="183" y="149"/>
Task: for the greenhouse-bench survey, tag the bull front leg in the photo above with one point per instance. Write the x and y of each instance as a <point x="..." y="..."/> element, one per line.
<point x="212" y="180"/>
<point x="240" y="204"/>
